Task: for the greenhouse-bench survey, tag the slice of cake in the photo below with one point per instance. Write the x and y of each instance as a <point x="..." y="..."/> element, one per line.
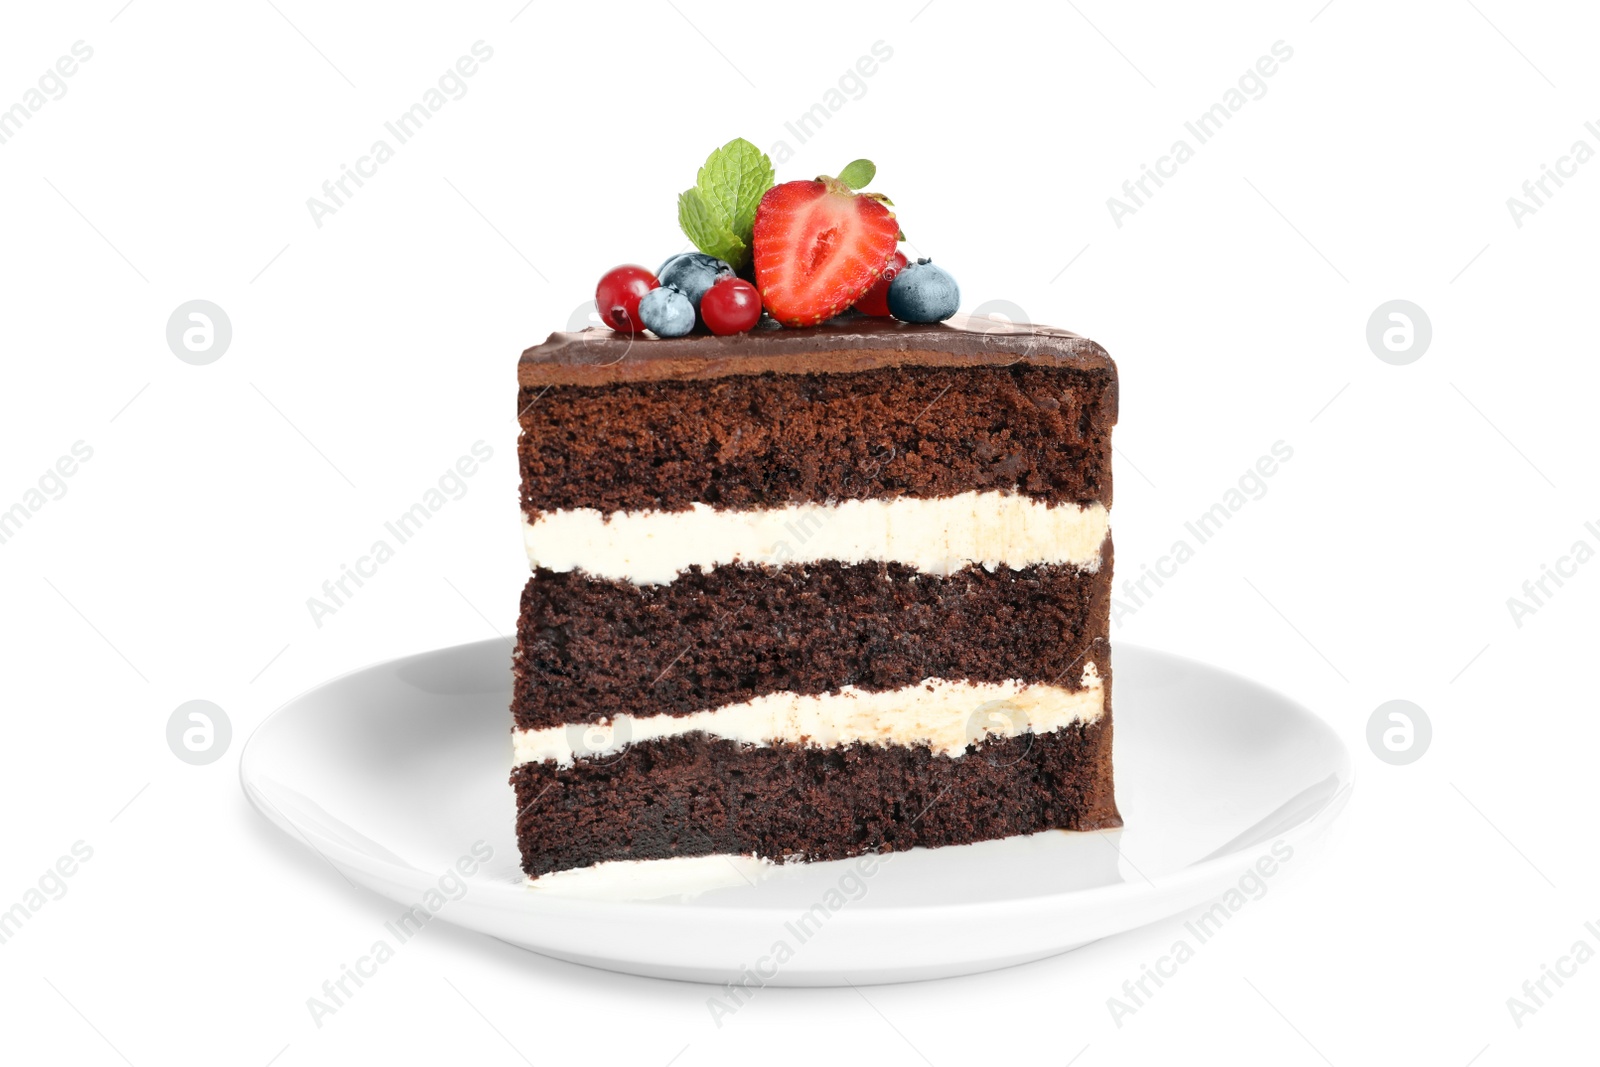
<point x="804" y="594"/>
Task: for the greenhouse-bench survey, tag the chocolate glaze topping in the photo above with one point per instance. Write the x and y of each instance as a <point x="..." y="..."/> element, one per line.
<point x="850" y="342"/>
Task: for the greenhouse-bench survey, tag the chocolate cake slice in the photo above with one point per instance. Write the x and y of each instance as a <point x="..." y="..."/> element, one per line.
<point x="805" y="594"/>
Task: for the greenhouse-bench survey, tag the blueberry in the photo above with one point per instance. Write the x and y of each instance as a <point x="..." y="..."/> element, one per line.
<point x="692" y="273"/>
<point x="923" y="293"/>
<point x="666" y="312"/>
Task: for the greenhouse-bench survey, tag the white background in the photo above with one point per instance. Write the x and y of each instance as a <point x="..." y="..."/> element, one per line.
<point x="368" y="354"/>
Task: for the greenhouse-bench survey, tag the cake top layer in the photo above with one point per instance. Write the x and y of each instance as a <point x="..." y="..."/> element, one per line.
<point x="848" y="343"/>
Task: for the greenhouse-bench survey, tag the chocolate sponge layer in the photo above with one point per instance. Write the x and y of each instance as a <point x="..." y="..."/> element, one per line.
<point x="770" y="439"/>
<point x="590" y="649"/>
<point x="693" y="795"/>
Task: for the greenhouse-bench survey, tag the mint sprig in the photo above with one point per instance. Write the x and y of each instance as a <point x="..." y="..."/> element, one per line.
<point x="700" y="221"/>
<point x="719" y="213"/>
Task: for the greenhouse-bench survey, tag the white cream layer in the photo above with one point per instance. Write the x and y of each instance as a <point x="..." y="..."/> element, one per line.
<point x="944" y="715"/>
<point x="936" y="536"/>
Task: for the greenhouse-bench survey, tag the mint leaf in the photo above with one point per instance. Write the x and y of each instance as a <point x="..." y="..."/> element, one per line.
<point x="703" y="225"/>
<point x="733" y="181"/>
<point x="858" y="173"/>
<point x="719" y="213"/>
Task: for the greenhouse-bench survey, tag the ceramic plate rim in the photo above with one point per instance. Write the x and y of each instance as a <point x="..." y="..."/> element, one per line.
<point x="516" y="897"/>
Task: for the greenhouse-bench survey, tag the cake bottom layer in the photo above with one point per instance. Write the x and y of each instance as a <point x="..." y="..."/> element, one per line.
<point x="695" y="795"/>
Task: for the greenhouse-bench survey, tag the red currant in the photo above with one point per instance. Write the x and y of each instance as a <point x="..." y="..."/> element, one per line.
<point x="618" y="294"/>
<point x="876" y="300"/>
<point x="732" y="305"/>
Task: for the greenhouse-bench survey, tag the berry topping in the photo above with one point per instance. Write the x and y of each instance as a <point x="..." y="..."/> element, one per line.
<point x="876" y="302"/>
<point x="730" y="306"/>
<point x="923" y="293"/>
<point x="692" y="273"/>
<point x="666" y="312"/>
<point x="618" y="294"/>
<point x="820" y="245"/>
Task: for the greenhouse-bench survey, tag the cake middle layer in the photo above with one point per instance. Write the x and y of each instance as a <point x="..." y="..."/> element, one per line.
<point x="589" y="650"/>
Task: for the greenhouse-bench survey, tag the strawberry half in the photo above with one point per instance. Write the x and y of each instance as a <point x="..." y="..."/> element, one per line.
<point x="818" y="247"/>
<point x="875" y="301"/>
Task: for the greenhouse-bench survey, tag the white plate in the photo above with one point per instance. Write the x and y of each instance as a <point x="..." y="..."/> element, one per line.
<point x="396" y="772"/>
